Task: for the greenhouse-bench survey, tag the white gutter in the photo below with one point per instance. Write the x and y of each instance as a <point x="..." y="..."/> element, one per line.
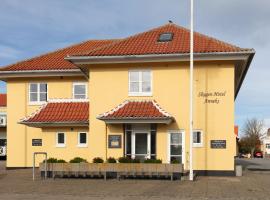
<point x="160" y="57"/>
<point x="40" y="73"/>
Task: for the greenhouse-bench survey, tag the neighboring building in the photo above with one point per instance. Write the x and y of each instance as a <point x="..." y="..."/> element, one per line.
<point x="3" y="125"/>
<point x="128" y="97"/>
<point x="266" y="144"/>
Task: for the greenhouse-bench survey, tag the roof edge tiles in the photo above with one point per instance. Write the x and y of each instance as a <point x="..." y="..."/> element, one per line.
<point x="76" y="112"/>
<point x="159" y="115"/>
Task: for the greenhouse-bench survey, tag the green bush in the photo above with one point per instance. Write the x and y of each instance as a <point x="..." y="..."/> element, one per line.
<point x="152" y="161"/>
<point x="61" y="161"/>
<point x="78" y="160"/>
<point x="98" y="160"/>
<point x="111" y="160"/>
<point x="175" y="162"/>
<point x="128" y="160"/>
<point x="51" y="160"/>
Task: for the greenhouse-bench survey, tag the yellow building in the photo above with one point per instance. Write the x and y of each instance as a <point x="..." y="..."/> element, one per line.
<point x="128" y="97"/>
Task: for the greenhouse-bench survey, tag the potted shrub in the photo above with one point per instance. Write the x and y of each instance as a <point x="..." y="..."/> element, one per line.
<point x="111" y="160"/>
<point x="152" y="161"/>
<point x="78" y="160"/>
<point x="98" y="160"/>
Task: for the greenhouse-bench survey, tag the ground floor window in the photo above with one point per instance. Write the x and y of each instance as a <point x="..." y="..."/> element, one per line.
<point x="176" y="146"/>
<point x="140" y="141"/>
<point x="60" y="140"/>
<point x="82" y="139"/>
<point x="267" y="146"/>
<point x="197" y="138"/>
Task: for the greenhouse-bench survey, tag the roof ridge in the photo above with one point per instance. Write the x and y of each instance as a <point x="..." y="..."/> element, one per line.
<point x="122" y="40"/>
<point x="67" y="100"/>
<point x="2" y="68"/>
<point x="161" y="109"/>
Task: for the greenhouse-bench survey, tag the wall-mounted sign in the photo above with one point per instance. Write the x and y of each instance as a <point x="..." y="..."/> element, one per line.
<point x="114" y="141"/>
<point x="212" y="97"/>
<point x="218" y="144"/>
<point x="36" y="142"/>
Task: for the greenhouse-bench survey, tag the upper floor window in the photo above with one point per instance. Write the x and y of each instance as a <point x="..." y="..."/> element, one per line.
<point x="140" y="83"/>
<point x="38" y="92"/>
<point x="197" y="138"/>
<point x="79" y="90"/>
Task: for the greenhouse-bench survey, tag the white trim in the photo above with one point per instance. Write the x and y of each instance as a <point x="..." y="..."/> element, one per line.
<point x="82" y="145"/>
<point x="67" y="100"/>
<point x="242" y="55"/>
<point x="140" y="93"/>
<point x="79" y="83"/>
<point x="38" y="102"/>
<point x="182" y="132"/>
<point x="202" y="135"/>
<point x="56" y="140"/>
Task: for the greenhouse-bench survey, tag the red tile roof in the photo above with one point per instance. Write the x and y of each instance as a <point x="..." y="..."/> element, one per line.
<point x="147" y="43"/>
<point x="55" y="60"/>
<point x="60" y="112"/>
<point x="132" y="109"/>
<point x="3" y="100"/>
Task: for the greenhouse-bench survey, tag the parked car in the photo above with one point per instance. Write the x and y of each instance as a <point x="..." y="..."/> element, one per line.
<point x="258" y="154"/>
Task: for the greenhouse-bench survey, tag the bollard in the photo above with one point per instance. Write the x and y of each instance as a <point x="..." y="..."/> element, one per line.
<point x="238" y="170"/>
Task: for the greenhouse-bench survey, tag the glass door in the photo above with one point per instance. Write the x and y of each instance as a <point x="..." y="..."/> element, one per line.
<point x="141" y="149"/>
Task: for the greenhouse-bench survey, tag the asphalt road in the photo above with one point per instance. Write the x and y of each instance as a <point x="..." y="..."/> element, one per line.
<point x="256" y="164"/>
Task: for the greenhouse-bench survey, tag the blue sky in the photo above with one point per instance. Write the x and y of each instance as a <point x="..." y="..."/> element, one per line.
<point x="32" y="27"/>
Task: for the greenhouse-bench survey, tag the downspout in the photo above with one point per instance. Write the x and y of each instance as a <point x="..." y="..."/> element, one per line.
<point x="106" y="141"/>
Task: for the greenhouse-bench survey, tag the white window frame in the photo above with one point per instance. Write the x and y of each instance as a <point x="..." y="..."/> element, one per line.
<point x="79" y="83"/>
<point x="183" y="145"/>
<point x="82" y="145"/>
<point x="56" y="140"/>
<point x="140" y="93"/>
<point x="201" y="143"/>
<point x="38" y="102"/>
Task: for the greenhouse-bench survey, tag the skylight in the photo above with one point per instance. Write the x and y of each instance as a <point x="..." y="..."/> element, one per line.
<point x="165" y="37"/>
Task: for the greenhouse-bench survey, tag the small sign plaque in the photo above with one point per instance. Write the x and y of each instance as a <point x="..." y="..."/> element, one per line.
<point x="36" y="142"/>
<point x="114" y="141"/>
<point x="218" y="144"/>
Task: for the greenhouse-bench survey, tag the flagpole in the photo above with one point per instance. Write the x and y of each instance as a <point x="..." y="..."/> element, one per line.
<point x="191" y="95"/>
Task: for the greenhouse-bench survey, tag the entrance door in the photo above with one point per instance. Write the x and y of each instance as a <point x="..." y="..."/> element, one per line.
<point x="140" y="145"/>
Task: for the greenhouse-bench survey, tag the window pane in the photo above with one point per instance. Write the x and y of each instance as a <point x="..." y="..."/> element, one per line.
<point x="176" y="149"/>
<point x="197" y="137"/>
<point x="61" y="138"/>
<point x="134" y="76"/>
<point x="146" y="87"/>
<point x="33" y="87"/>
<point x="79" y="96"/>
<point x="146" y="76"/>
<point x="79" y="89"/>
<point x="175" y="138"/>
<point x="43" y="87"/>
<point x="179" y="158"/>
<point x="134" y="87"/>
<point x="43" y="96"/>
<point x="82" y="138"/>
<point x="33" y="96"/>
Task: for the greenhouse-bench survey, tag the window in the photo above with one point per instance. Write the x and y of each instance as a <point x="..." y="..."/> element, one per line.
<point x="175" y="147"/>
<point x="197" y="138"/>
<point x="267" y="146"/>
<point x="82" y="139"/>
<point x="79" y="90"/>
<point x="60" y="140"/>
<point x="165" y="37"/>
<point x="38" y="92"/>
<point x="140" y="83"/>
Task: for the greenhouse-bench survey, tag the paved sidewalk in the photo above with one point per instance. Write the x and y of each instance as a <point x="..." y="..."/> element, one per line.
<point x="18" y="184"/>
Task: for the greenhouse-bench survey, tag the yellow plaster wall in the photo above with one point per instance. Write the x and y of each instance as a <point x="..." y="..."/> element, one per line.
<point x="19" y="146"/>
<point x="109" y="87"/>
